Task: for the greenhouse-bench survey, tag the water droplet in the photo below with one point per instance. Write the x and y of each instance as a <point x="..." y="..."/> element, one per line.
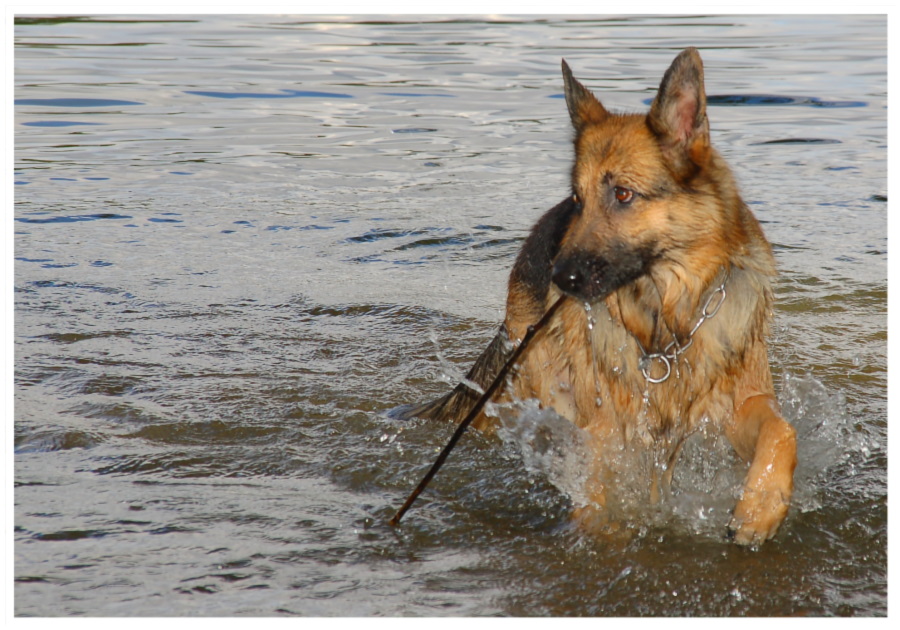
<point x="590" y="318"/>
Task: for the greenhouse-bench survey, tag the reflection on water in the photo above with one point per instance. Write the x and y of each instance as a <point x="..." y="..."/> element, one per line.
<point x="241" y="241"/>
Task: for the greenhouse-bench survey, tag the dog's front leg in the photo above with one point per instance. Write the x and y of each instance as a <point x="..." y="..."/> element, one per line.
<point x="760" y="435"/>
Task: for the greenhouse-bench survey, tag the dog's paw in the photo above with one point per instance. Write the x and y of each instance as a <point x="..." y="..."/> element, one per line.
<point x="757" y="516"/>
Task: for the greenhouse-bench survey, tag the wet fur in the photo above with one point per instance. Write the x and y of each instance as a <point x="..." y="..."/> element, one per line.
<point x="646" y="268"/>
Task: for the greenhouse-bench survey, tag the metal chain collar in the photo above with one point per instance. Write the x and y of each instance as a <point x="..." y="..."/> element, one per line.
<point x="671" y="352"/>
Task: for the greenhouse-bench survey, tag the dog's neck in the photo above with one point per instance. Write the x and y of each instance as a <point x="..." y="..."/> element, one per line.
<point x="660" y="339"/>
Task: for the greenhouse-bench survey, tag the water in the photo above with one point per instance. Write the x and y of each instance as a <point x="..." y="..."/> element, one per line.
<point x="241" y="241"/>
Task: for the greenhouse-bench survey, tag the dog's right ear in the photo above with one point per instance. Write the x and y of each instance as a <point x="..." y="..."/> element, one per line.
<point x="584" y="108"/>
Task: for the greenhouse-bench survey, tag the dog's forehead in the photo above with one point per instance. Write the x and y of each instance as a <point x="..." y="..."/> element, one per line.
<point x="621" y="146"/>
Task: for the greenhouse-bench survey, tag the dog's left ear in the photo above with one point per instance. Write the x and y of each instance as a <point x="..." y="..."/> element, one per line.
<point x="678" y="114"/>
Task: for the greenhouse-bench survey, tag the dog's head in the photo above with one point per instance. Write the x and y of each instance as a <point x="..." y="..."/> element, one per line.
<point x="648" y="187"/>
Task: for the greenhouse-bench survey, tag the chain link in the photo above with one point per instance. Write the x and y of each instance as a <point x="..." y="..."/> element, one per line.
<point x="669" y="355"/>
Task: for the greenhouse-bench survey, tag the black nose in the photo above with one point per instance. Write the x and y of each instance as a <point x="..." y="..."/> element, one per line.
<point x="569" y="276"/>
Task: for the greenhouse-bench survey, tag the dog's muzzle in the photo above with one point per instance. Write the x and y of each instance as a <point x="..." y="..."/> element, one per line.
<point x="592" y="278"/>
<point x="581" y="277"/>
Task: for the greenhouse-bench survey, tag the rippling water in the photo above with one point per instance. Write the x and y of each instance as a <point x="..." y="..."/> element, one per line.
<point x="241" y="241"/>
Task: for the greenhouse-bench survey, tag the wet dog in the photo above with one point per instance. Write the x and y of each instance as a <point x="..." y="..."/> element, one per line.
<point x="664" y="331"/>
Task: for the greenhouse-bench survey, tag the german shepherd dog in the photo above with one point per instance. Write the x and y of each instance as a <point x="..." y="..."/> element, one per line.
<point x="664" y="331"/>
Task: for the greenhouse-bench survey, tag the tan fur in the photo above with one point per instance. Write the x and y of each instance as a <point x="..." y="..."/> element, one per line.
<point x="689" y="221"/>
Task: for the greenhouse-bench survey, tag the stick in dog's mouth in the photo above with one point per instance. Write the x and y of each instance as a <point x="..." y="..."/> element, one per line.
<point x="533" y="330"/>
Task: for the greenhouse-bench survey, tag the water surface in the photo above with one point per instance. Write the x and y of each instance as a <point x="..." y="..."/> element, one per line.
<point x="241" y="241"/>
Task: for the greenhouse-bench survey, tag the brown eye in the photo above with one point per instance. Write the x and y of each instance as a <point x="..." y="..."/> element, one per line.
<point x="624" y="195"/>
<point x="575" y="198"/>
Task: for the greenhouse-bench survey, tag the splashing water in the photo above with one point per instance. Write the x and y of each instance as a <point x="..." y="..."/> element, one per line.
<point x="550" y="446"/>
<point x="708" y="475"/>
<point x="448" y="372"/>
<point x="699" y="500"/>
<point x="589" y="318"/>
<point x="826" y="436"/>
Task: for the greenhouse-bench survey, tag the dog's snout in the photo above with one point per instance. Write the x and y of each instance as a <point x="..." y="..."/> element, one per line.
<point x="592" y="276"/>
<point x="568" y="276"/>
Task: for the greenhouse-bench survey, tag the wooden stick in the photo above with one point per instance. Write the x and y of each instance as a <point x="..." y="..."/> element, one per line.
<point x="485" y="397"/>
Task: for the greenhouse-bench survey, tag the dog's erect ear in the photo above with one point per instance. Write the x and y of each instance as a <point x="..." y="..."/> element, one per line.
<point x="678" y="113"/>
<point x="584" y="108"/>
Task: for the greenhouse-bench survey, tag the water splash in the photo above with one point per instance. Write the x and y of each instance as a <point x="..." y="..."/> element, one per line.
<point x="826" y="436"/>
<point x="699" y="500"/>
<point x="707" y="476"/>
<point x="550" y="446"/>
<point x="589" y="318"/>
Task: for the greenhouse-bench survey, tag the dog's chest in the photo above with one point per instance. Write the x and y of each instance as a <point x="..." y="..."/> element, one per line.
<point x="648" y="395"/>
